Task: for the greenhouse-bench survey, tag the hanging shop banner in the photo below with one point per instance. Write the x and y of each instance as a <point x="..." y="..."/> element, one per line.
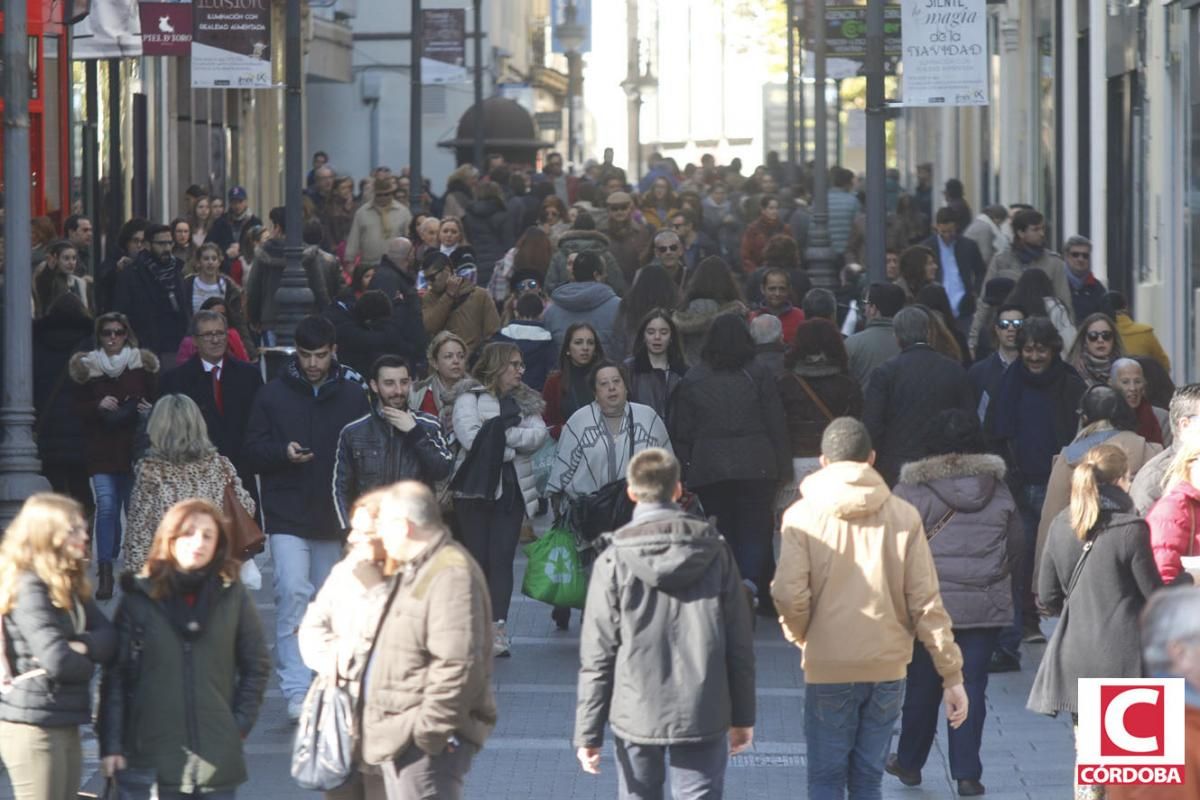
<point x="231" y="44"/>
<point x="945" y="53"/>
<point x="110" y="30"/>
<point x="166" y="28"/>
<point x="444" y="45"/>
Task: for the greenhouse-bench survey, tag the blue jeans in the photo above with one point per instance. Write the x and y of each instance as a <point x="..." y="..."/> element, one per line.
<point x="110" y="492"/>
<point x="848" y="731"/>
<point x="1030" y="499"/>
<point x="301" y="567"/>
<point x="697" y="770"/>
<point x="923" y="697"/>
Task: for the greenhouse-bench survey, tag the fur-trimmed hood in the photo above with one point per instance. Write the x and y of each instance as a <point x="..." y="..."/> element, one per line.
<point x="700" y="313"/>
<point x="81" y="371"/>
<point x="529" y="401"/>
<point x="582" y="241"/>
<point x="964" y="482"/>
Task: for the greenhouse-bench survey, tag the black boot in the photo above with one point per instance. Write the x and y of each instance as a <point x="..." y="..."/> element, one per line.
<point x="105" y="590"/>
<point x="562" y="617"/>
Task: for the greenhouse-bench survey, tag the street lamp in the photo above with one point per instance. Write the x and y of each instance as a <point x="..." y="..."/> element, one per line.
<point x="572" y="35"/>
<point x="635" y="86"/>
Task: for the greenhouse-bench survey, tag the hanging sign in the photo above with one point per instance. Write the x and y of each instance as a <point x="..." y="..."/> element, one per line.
<point x="166" y="28"/>
<point x="945" y="55"/>
<point x="444" y="45"/>
<point x="231" y="44"/>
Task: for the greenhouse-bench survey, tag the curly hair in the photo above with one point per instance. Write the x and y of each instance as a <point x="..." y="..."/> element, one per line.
<point x="34" y="543"/>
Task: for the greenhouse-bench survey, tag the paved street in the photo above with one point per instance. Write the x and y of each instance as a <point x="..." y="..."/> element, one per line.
<point x="530" y="754"/>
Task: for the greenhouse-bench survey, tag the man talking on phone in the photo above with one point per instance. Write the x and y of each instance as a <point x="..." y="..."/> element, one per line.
<point x="390" y="443"/>
<point x="291" y="441"/>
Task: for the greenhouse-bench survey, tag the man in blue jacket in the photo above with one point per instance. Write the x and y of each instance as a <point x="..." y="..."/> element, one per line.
<point x="291" y="441"/>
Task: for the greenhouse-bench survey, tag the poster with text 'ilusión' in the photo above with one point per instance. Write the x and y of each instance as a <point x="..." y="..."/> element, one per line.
<point x="944" y="59"/>
<point x="231" y="44"/>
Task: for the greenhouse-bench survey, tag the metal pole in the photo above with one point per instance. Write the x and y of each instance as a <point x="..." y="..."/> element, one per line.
<point x="479" y="121"/>
<point x="819" y="255"/>
<point x="294" y="297"/>
<point x="415" y="109"/>
<point x="876" y="145"/>
<point x="791" y="92"/>
<point x="838" y="158"/>
<point x="91" y="159"/>
<point x="572" y="88"/>
<point x="19" y="465"/>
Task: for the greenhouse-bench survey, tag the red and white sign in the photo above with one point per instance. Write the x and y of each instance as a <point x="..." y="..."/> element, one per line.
<point x="1131" y="731"/>
<point x="166" y="28"/>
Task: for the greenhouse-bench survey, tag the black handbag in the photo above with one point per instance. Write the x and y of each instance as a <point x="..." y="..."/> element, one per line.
<point x="323" y="753"/>
<point x="606" y="509"/>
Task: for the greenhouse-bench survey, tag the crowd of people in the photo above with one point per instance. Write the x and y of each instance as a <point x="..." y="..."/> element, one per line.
<point x="904" y="473"/>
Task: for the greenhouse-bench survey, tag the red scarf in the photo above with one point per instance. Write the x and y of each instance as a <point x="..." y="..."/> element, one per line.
<point x="1147" y="424"/>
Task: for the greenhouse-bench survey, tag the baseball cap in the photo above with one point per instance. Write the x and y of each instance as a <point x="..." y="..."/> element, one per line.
<point x="237" y="193"/>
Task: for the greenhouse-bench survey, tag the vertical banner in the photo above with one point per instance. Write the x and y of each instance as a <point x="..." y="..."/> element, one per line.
<point x="444" y="38"/>
<point x="945" y="53"/>
<point x="166" y="28"/>
<point x="231" y="44"/>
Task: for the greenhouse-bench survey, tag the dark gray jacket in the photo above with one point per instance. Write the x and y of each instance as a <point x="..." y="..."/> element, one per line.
<point x="667" y="649"/>
<point x="36" y="636"/>
<point x="978" y="550"/>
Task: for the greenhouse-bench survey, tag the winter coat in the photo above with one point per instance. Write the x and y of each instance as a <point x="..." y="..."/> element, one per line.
<point x="590" y="302"/>
<point x="589" y="457"/>
<point x="856" y="582"/>
<point x="339" y="626"/>
<point x="472" y="316"/>
<point x="431" y="663"/>
<point x="361" y="343"/>
<point x="754" y="241"/>
<point x="178" y="700"/>
<point x="987" y="237"/>
<point x="262" y="308"/>
<point x="905" y="393"/>
<point x="1088" y="296"/>
<point x="729" y="425"/>
<point x="1148" y="482"/>
<point x="296" y="498"/>
<point x="1058" y="490"/>
<point x="1139" y="340"/>
<point x="654" y="387"/>
<point x="401" y="287"/>
<point x="871" y="347"/>
<point x="971" y="269"/>
<point x="108" y="435"/>
<point x="1098" y="635"/>
<point x="59" y="430"/>
<point x="1174" y="529"/>
<point x="806" y="422"/>
<point x="372" y="229"/>
<point x="630" y="245"/>
<point x="489" y="230"/>
<point x="37" y="635"/>
<point x="537" y="349"/>
<point x="159" y="318"/>
<point x="667" y="646"/>
<point x="844" y="209"/>
<point x="584" y="242"/>
<point x="372" y="453"/>
<point x="160" y="484"/>
<point x="234" y="307"/>
<point x="978" y="549"/>
<point x="474" y="405"/>
<point x="1008" y="264"/>
<point x="227" y="230"/>
<point x="693" y="323"/>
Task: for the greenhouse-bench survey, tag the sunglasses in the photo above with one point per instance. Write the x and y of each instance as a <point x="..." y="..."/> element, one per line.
<point x="1081" y="254"/>
<point x="620" y="207"/>
<point x="529" y="285"/>
<point x="1099" y="336"/>
<point x="667" y="248"/>
<point x="112" y="333"/>
<point x="1009" y="324"/>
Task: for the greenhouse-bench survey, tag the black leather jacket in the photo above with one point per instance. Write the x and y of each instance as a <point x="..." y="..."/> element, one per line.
<point x="371" y="453"/>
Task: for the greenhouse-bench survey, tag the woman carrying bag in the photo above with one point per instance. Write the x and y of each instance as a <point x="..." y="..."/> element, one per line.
<point x="54" y="636"/>
<point x="191" y="666"/>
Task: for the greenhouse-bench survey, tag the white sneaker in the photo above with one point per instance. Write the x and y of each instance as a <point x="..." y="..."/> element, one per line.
<point x="501" y="644"/>
<point x="294" y="709"/>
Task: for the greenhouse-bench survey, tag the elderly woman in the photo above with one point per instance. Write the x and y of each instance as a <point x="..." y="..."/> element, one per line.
<point x="1096" y="347"/>
<point x="181" y="464"/>
<point x="1128" y="378"/>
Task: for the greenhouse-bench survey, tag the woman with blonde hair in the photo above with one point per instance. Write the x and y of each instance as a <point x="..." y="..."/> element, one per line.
<point x="1173" y="519"/>
<point x="339" y="627"/>
<point x="1097" y="573"/>
<point x="181" y="463"/>
<point x="497" y="421"/>
<point x="185" y="688"/>
<point x="54" y="635"/>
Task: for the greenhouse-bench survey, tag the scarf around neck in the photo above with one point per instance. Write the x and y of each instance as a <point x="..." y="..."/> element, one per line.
<point x="1028" y="255"/>
<point x="1147" y="424"/>
<point x="99" y="361"/>
<point x="1094" y="370"/>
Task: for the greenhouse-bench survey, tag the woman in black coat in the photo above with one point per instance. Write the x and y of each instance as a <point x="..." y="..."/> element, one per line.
<point x="730" y="436"/>
<point x="65" y="330"/>
<point x="489" y="229"/>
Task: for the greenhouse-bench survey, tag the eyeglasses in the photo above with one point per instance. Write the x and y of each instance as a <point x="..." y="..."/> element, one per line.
<point x="519" y="366"/>
<point x="619" y="207"/>
<point x="1099" y="336"/>
<point x="1083" y="254"/>
<point x="1009" y="324"/>
<point x="112" y="333"/>
<point x="212" y="336"/>
<point x="551" y="214"/>
<point x="667" y="248"/>
<point x="529" y="285"/>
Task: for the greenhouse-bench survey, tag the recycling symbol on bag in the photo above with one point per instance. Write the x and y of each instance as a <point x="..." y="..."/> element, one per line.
<point x="559" y="565"/>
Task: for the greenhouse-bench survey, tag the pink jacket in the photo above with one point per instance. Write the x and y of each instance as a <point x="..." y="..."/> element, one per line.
<point x="1173" y="528"/>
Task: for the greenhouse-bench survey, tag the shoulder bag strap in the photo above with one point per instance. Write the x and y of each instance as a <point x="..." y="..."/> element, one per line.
<point x="1192" y="537"/>
<point x="941" y="523"/>
<point x="824" y="409"/>
<point x="1087" y="548"/>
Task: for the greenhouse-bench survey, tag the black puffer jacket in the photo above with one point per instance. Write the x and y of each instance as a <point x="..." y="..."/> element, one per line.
<point x="729" y="425"/>
<point x="37" y="636"/>
<point x="62" y="333"/>
<point x="372" y="453"/>
<point x="979" y="547"/>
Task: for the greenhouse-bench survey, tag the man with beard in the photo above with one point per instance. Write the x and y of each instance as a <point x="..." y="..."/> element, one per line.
<point x="389" y="444"/>
<point x="227" y="230"/>
<point x="150" y="293"/>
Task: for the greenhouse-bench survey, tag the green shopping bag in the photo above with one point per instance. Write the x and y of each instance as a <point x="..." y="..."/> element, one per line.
<point x="555" y="573"/>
